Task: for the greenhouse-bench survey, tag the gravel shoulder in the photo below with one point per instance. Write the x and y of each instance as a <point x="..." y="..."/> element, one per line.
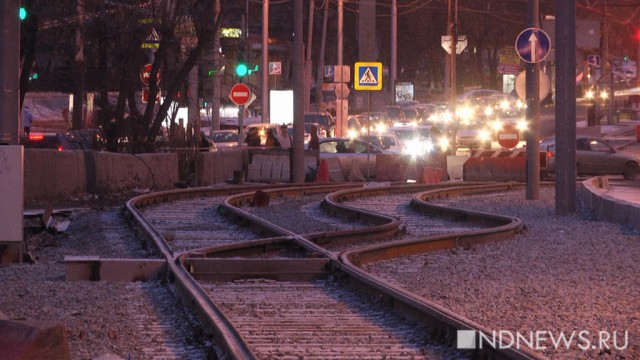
<point x="139" y="320"/>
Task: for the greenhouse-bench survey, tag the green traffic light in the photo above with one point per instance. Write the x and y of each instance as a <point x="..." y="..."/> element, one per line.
<point x="22" y="14"/>
<point x="241" y="69"/>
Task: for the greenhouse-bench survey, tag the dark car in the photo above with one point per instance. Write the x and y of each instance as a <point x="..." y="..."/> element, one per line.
<point x="596" y="157"/>
<point x="325" y="120"/>
<point x="59" y="141"/>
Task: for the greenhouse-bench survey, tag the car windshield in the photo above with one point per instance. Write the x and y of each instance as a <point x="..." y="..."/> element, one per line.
<point x="224" y="137"/>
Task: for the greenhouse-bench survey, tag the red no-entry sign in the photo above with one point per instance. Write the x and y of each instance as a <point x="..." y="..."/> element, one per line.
<point x="240" y="94"/>
<point x="508" y="137"/>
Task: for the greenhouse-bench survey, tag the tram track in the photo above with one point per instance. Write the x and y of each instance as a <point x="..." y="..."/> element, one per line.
<point x="211" y="258"/>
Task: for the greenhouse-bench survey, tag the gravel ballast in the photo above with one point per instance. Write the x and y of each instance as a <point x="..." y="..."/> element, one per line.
<point x="565" y="275"/>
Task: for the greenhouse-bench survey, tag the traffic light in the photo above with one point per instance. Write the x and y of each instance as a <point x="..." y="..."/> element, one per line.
<point x="22" y="13"/>
<point x="241" y="66"/>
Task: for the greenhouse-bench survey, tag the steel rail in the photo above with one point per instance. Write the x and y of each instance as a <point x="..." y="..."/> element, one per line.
<point x="231" y="342"/>
<point x="501" y="228"/>
<point x="348" y="262"/>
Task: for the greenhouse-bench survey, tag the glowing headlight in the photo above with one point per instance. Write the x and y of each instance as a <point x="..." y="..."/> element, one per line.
<point x="522" y="125"/>
<point x="381" y="128"/>
<point x="604" y="95"/>
<point x="504" y="105"/>
<point x="483" y="135"/>
<point x="415" y="147"/>
<point x="443" y="143"/>
<point x="464" y="112"/>
<point x="520" y="104"/>
<point x="446" y="117"/>
<point x="428" y="146"/>
<point x="488" y="111"/>
<point x="589" y="94"/>
<point x="497" y="125"/>
<point x="352" y="134"/>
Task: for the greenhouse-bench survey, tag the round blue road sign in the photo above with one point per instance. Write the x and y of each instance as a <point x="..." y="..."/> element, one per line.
<point x="533" y="45"/>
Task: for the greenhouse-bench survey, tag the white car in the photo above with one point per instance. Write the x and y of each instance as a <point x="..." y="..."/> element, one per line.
<point x="349" y="152"/>
<point x="224" y="139"/>
<point x="389" y="142"/>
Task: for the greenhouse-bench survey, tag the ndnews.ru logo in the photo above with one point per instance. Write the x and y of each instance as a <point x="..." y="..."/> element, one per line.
<point x="542" y="340"/>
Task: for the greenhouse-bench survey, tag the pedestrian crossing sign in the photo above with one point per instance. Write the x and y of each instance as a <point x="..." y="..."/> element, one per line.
<point x="368" y="76"/>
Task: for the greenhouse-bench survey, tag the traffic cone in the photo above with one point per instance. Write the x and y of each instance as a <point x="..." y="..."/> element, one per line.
<point x="323" y="172"/>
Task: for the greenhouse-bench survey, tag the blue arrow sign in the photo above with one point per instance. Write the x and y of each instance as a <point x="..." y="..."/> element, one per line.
<point x="533" y="45"/>
<point x="329" y="71"/>
<point x="594" y="60"/>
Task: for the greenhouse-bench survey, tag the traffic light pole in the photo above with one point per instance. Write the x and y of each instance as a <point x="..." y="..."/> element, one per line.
<point x="9" y="72"/>
<point x="533" y="114"/>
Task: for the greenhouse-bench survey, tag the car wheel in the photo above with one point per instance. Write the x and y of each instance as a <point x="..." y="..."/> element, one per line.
<point x="630" y="170"/>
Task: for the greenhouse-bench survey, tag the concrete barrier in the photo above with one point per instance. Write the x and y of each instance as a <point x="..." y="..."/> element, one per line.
<point x="400" y="168"/>
<point x="50" y="174"/>
<point x="495" y="165"/>
<point x="594" y="198"/>
<point x="217" y="167"/>
<point x="116" y="171"/>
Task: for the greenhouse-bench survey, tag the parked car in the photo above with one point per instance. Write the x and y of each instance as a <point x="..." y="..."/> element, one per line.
<point x="389" y="142"/>
<point x="595" y="156"/>
<point x="59" y="141"/>
<point x="351" y="151"/>
<point x="224" y="139"/>
<point x="325" y="120"/>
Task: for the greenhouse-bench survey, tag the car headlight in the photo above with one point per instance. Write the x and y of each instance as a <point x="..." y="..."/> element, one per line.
<point x="465" y="112"/>
<point x="414" y="147"/>
<point x="522" y="125"/>
<point x="443" y="143"/>
<point x="497" y="125"/>
<point x="352" y="134"/>
<point x="483" y="135"/>
<point x="381" y="128"/>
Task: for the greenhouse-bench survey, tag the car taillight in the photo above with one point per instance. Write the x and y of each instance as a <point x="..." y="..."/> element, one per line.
<point x="36" y="137"/>
<point x="60" y="148"/>
<point x="550" y="154"/>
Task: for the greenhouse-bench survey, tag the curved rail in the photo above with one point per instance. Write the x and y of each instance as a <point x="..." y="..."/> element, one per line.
<point x="349" y="262"/>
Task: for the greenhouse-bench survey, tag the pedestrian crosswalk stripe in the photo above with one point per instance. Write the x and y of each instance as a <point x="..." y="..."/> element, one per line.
<point x="368" y="77"/>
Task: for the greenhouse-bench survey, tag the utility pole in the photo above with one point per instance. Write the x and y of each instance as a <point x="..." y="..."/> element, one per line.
<point x="9" y="72"/>
<point x="565" y="35"/>
<point x="320" y="71"/>
<point x="533" y="112"/>
<point x="308" y="63"/>
<point x="78" y="88"/>
<point x="265" y="62"/>
<point x="217" y="64"/>
<point x="394" y="50"/>
<point x="453" y="35"/>
<point x="297" y="154"/>
<point x="340" y="126"/>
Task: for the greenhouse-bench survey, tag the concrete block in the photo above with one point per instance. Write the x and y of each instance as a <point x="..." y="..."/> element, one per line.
<point x="79" y="268"/>
<point x="39" y="164"/>
<point x="70" y="173"/>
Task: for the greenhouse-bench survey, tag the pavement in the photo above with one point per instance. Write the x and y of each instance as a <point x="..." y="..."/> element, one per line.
<point x="611" y="198"/>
